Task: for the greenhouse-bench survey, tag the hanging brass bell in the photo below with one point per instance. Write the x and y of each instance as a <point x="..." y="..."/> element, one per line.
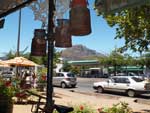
<point x="38" y="47"/>
<point x="62" y="34"/>
<point x="80" y="21"/>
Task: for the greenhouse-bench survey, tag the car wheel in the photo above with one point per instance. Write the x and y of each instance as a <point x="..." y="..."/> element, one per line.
<point x="131" y="93"/>
<point x="63" y="85"/>
<point x="100" y="89"/>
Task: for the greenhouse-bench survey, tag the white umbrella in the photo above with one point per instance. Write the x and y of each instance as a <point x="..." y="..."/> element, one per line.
<point x="3" y="64"/>
<point x="20" y="61"/>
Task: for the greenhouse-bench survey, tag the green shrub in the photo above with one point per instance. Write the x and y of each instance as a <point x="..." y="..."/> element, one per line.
<point x="83" y="109"/>
<point x="120" y="107"/>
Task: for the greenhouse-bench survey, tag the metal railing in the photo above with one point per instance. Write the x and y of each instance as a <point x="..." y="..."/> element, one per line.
<point x="40" y="107"/>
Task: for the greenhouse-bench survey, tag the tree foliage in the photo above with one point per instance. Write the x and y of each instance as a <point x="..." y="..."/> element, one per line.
<point x="10" y="54"/>
<point x="132" y="24"/>
<point x="66" y="66"/>
<point x="117" y="59"/>
<point x="114" y="59"/>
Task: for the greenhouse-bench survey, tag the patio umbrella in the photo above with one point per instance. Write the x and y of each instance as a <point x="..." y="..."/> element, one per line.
<point x="3" y="64"/>
<point x="20" y="61"/>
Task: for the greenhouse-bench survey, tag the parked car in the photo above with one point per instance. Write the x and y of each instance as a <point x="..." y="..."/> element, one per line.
<point x="126" y="84"/>
<point x="136" y="75"/>
<point x="65" y="79"/>
<point x="129" y="74"/>
<point x="7" y="75"/>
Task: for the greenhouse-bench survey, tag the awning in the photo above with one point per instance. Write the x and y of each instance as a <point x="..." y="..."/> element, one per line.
<point x="127" y="68"/>
<point x="84" y="62"/>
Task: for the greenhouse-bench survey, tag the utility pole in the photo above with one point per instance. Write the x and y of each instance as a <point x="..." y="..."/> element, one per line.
<point x="18" y="40"/>
<point x="19" y="28"/>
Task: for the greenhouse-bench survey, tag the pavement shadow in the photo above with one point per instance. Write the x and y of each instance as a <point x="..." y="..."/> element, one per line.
<point x="143" y="96"/>
<point x="146" y="111"/>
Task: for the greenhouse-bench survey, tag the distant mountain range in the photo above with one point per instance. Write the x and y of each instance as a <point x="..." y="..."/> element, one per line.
<point x="79" y="52"/>
<point x="3" y="58"/>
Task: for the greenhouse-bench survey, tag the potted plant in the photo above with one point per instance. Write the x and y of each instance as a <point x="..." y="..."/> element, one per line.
<point x="41" y="79"/>
<point x="8" y="90"/>
<point x="121" y="107"/>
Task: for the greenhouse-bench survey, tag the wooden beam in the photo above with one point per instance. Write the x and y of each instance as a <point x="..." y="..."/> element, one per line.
<point x="9" y="11"/>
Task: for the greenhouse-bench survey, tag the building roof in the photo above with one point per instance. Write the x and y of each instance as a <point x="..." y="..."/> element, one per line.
<point x="84" y="62"/>
<point x="128" y="68"/>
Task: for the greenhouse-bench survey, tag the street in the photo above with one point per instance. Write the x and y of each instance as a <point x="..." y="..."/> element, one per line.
<point x="86" y="84"/>
<point x="84" y="93"/>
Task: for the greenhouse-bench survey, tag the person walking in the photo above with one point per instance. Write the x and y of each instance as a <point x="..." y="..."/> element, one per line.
<point x="34" y="80"/>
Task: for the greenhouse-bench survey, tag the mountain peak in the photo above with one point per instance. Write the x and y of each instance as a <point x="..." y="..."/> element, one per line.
<point x="79" y="52"/>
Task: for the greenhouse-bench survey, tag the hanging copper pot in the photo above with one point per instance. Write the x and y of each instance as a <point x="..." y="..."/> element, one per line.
<point x="62" y="34"/>
<point x="38" y="47"/>
<point x="80" y="21"/>
<point x="76" y="3"/>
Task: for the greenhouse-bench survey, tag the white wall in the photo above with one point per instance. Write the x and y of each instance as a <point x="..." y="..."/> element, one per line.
<point x="59" y="67"/>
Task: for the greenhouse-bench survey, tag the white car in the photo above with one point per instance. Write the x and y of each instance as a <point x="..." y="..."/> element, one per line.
<point x="65" y="79"/>
<point x="127" y="84"/>
<point x="7" y="74"/>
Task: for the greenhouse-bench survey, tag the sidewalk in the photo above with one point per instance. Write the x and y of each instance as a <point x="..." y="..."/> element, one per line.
<point x="66" y="97"/>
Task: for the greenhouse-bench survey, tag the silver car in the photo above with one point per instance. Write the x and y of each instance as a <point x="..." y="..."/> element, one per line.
<point x="65" y="79"/>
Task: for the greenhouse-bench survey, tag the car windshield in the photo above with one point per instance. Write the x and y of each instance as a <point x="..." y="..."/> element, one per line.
<point x="71" y="75"/>
<point x="137" y="79"/>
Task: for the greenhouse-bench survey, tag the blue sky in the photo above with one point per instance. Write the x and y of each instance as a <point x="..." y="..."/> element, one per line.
<point x="101" y="39"/>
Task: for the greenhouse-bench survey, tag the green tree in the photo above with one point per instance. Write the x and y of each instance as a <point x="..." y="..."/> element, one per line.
<point x="132" y="24"/>
<point x="116" y="60"/>
<point x="66" y="66"/>
<point x="75" y="69"/>
<point x="145" y="60"/>
<point x="10" y="54"/>
<point x="38" y="60"/>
